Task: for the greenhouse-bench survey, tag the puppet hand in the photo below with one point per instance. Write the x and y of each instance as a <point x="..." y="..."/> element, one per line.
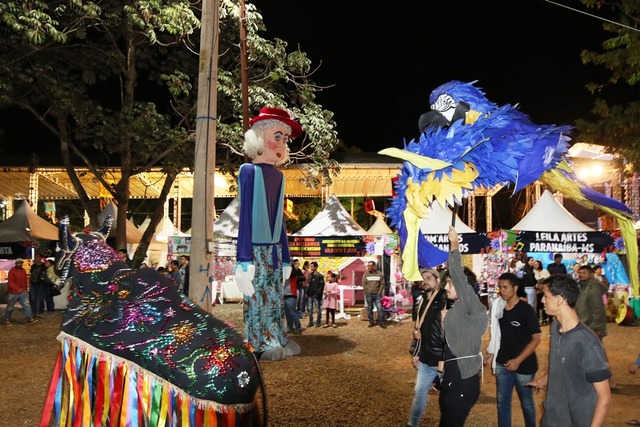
<point x="244" y="274"/>
<point x="286" y="272"/>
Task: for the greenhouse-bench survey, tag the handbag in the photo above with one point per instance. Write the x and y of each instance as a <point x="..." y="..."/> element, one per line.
<point x="55" y="291"/>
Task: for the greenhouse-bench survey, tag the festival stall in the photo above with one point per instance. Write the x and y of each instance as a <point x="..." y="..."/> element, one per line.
<point x="20" y="237"/>
<point x="335" y="240"/>
<point x="548" y="228"/>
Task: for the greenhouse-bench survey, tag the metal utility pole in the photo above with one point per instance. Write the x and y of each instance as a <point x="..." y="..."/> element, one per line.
<point x="200" y="264"/>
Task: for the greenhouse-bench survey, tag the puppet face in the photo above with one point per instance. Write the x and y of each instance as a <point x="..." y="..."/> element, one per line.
<point x="275" y="145"/>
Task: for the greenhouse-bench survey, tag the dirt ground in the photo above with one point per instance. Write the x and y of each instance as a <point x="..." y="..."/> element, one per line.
<point x="348" y="376"/>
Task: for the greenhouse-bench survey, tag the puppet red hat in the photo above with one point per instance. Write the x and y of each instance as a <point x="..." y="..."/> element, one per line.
<point x="272" y="113"/>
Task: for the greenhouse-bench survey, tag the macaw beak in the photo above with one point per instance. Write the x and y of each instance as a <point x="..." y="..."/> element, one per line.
<point x="432" y="119"/>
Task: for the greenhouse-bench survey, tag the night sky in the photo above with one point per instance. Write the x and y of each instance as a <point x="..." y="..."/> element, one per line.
<point x="384" y="61"/>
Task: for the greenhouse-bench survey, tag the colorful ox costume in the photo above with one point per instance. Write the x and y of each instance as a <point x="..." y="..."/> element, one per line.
<point x="135" y="352"/>
<point x="263" y="249"/>
<point x="468" y="142"/>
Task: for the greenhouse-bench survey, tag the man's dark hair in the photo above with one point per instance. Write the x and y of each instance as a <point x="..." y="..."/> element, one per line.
<point x="556" y="256"/>
<point x="586" y="267"/>
<point x="175" y="262"/>
<point x="511" y="278"/>
<point x="516" y="282"/>
<point x="564" y="286"/>
<point x="315" y="264"/>
<point x="471" y="277"/>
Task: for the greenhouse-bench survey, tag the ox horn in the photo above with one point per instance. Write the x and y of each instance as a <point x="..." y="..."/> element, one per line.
<point x="67" y="241"/>
<point x="106" y="226"/>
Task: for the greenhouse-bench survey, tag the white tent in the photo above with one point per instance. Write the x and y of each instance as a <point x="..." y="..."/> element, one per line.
<point x="438" y="220"/>
<point x="549" y="215"/>
<point x="226" y="225"/>
<point x="164" y="229"/>
<point x="379" y="228"/>
<point x="332" y="220"/>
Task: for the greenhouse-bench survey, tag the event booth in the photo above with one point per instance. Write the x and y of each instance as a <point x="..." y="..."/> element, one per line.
<point x="20" y="237"/>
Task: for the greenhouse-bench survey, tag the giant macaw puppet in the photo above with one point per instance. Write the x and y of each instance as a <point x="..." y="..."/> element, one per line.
<point x="134" y="351"/>
<point x="468" y="142"/>
<point x="263" y="260"/>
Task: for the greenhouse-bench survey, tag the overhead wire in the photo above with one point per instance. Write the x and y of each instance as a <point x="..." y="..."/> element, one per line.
<point x="593" y="16"/>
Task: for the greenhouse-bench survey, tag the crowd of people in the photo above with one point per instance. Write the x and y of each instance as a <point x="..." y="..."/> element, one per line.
<point x="314" y="295"/>
<point x="578" y="382"/>
<point x="449" y="322"/>
<point x="34" y="288"/>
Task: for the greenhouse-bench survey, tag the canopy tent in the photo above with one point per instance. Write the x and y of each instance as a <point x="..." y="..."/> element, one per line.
<point x="26" y="225"/>
<point x="226" y="225"/>
<point x="379" y="228"/>
<point x="435" y="227"/>
<point x="331" y="233"/>
<point x="438" y="221"/>
<point x="332" y="220"/>
<point x="549" y="215"/>
<point x="164" y="229"/>
<point x="133" y="234"/>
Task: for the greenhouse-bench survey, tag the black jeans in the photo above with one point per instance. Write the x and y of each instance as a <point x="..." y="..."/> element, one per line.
<point x="456" y="400"/>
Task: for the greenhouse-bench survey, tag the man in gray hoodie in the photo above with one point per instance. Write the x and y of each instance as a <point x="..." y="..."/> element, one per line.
<point x="464" y="325"/>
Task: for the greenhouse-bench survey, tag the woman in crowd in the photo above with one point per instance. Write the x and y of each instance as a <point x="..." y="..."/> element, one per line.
<point x="540" y="274"/>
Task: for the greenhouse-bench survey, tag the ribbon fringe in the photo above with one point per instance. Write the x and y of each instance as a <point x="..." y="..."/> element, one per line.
<point x="92" y="388"/>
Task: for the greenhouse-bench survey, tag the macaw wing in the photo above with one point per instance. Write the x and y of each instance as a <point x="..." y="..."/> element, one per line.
<point x="417" y="160"/>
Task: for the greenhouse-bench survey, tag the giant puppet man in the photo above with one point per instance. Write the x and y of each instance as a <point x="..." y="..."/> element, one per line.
<point x="469" y="142"/>
<point x="263" y="250"/>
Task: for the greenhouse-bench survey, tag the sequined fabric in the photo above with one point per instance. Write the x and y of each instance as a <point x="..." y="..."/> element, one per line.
<point x="139" y="318"/>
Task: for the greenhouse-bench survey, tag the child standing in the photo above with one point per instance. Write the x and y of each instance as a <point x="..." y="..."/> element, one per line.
<point x="330" y="301"/>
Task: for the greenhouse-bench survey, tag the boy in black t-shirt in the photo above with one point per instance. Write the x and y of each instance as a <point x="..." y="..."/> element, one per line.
<point x="516" y="362"/>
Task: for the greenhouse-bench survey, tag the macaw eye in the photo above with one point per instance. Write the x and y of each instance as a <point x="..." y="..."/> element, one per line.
<point x="444" y="103"/>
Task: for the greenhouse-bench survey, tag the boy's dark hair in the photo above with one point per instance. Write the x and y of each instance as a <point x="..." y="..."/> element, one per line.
<point x="516" y="282"/>
<point x="175" y="262"/>
<point x="564" y="286"/>
<point x="511" y="278"/>
<point x="556" y="256"/>
<point x="586" y="267"/>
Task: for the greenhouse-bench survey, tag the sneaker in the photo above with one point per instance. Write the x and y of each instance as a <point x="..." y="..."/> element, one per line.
<point x="318" y="325"/>
<point x="8" y="323"/>
<point x="326" y="326"/>
<point x="310" y="325"/>
<point x="31" y="321"/>
<point x="383" y="326"/>
<point x="371" y="325"/>
<point x="334" y="326"/>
